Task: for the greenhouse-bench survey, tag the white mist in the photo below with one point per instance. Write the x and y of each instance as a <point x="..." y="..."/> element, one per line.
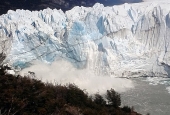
<point x="62" y="72"/>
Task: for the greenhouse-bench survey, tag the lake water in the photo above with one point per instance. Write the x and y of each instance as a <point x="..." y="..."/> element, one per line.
<point x="150" y="95"/>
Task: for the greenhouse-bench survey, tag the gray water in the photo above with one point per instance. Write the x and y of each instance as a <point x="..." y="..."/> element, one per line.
<point x="147" y="98"/>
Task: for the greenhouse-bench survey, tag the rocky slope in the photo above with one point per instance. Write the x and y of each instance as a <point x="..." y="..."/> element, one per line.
<point x="5" y="5"/>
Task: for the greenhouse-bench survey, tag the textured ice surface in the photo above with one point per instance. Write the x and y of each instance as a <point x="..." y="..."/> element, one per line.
<point x="125" y="40"/>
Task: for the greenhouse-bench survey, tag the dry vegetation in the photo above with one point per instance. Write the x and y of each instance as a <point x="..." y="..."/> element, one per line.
<point x="26" y="96"/>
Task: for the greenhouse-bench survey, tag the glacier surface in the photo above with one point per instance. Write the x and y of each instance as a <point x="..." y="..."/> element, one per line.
<point x="125" y="40"/>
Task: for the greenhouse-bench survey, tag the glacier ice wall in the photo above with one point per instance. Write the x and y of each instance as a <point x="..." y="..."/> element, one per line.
<point x="125" y="40"/>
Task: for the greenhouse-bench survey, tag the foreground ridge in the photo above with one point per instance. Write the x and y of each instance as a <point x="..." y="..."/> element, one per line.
<point x="25" y="96"/>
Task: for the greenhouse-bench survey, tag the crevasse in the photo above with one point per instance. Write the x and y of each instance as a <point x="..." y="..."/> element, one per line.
<point x="124" y="40"/>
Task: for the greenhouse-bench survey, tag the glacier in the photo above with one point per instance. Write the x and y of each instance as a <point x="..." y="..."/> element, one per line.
<point x="128" y="40"/>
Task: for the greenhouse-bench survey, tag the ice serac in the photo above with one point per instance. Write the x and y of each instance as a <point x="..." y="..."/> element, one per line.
<point x="125" y="40"/>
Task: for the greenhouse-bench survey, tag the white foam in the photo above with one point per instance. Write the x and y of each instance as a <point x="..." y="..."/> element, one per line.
<point x="159" y="80"/>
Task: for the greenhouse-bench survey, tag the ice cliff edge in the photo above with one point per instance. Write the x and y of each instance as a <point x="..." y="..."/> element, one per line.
<point x="124" y="40"/>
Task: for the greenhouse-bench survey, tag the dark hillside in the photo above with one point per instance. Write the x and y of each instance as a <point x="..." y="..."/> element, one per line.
<point x="6" y="5"/>
<point x="25" y="96"/>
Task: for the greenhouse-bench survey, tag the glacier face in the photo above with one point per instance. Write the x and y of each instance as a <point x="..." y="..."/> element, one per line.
<point x="125" y="40"/>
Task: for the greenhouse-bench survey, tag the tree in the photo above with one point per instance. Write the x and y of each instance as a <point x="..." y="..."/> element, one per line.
<point x="113" y="98"/>
<point x="126" y="109"/>
<point x="76" y="96"/>
<point x="98" y="99"/>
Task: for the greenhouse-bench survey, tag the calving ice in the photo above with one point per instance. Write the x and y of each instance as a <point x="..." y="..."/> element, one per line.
<point x="123" y="40"/>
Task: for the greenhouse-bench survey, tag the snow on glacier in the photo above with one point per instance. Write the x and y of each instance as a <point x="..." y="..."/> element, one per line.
<point x="123" y="40"/>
